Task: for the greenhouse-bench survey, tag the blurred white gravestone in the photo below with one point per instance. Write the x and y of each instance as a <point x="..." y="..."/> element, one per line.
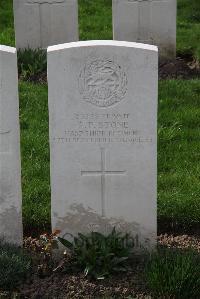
<point x="147" y="21"/>
<point x="103" y="119"/>
<point x="10" y="165"/>
<point x="41" y="23"/>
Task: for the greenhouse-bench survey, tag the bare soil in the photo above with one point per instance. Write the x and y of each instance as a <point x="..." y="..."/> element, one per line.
<point x="57" y="284"/>
<point x="77" y="286"/>
<point x="183" y="67"/>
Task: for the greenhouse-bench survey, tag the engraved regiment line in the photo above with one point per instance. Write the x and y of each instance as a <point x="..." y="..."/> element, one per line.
<point x="103" y="173"/>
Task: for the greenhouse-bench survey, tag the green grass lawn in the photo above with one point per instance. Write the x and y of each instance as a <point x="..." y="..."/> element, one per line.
<point x="188" y="27"/>
<point x="178" y="126"/>
<point x="35" y="156"/>
<point x="179" y="152"/>
<point x="95" y="22"/>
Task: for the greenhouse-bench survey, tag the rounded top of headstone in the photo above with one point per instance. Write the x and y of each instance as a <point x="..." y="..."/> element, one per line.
<point x="7" y="49"/>
<point x="93" y="43"/>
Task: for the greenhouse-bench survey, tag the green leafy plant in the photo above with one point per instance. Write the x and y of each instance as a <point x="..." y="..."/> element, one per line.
<point x="174" y="274"/>
<point x="98" y="255"/>
<point x="14" y="266"/>
<point x="32" y="65"/>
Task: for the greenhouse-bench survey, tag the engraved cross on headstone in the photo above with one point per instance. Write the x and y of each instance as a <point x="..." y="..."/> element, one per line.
<point x="40" y="4"/>
<point x="103" y="173"/>
<point x="144" y="20"/>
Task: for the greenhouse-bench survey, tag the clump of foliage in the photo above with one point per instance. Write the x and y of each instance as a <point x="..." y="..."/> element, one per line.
<point x="41" y="251"/>
<point x="174" y="274"/>
<point x="32" y="65"/>
<point x="98" y="255"/>
<point x="15" y="266"/>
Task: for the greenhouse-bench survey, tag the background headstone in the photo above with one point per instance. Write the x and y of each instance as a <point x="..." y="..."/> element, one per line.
<point x="147" y="21"/>
<point x="41" y="23"/>
<point x="10" y="168"/>
<point x="103" y="118"/>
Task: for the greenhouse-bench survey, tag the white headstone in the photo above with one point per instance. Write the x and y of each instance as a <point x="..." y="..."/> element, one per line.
<point x="103" y="118"/>
<point x="10" y="172"/>
<point x="41" y="23"/>
<point x="147" y="21"/>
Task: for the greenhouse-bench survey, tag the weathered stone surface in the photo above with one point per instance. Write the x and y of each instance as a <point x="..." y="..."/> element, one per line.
<point x="41" y="23"/>
<point x="10" y="172"/>
<point x="103" y="118"/>
<point x="147" y="21"/>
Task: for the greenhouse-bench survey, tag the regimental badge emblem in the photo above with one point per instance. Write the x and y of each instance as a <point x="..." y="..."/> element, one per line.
<point x="102" y="82"/>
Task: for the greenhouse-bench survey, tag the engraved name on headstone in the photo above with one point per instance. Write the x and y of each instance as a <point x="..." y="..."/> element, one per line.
<point x="40" y="23"/>
<point x="102" y="118"/>
<point x="147" y="21"/>
<point x="10" y="169"/>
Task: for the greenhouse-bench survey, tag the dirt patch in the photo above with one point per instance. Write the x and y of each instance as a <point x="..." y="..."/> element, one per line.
<point x="37" y="78"/>
<point x="77" y="286"/>
<point x="51" y="278"/>
<point x="174" y="227"/>
<point x="182" y="241"/>
<point x="180" y="68"/>
<point x="60" y="285"/>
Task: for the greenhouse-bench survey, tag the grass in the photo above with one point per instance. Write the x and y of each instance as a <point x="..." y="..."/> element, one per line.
<point x="174" y="274"/>
<point x="95" y="22"/>
<point x="7" y="35"/>
<point x="14" y="266"/>
<point x="35" y="156"/>
<point x="32" y="64"/>
<point x="95" y="19"/>
<point x="188" y="28"/>
<point x="179" y="122"/>
<point x="179" y="152"/>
